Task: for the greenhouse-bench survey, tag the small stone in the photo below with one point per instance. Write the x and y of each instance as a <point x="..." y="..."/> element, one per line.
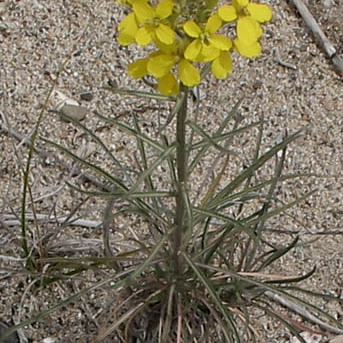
<point x="257" y="84"/>
<point x="75" y="112"/>
<point x="87" y="96"/>
<point x="3" y="7"/>
<point x="49" y="340"/>
<point x="329" y="3"/>
<point x="329" y="104"/>
<point x="12" y="338"/>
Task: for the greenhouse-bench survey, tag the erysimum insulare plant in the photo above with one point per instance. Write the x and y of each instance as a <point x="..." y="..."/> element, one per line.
<point x="187" y="34"/>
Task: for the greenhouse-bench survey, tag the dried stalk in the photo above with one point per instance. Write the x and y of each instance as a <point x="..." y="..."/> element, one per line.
<point x="319" y="35"/>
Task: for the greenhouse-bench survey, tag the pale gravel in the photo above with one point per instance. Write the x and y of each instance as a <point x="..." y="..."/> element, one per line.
<point x="37" y="38"/>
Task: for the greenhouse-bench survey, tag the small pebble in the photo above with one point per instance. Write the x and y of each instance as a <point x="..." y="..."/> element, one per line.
<point x="329" y="104"/>
<point x="49" y="340"/>
<point x="87" y="96"/>
<point x="3" y="7"/>
<point x="329" y="3"/>
<point x="13" y="338"/>
<point x="75" y="112"/>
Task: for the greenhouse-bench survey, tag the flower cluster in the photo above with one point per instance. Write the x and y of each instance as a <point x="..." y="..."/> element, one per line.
<point x="185" y="34"/>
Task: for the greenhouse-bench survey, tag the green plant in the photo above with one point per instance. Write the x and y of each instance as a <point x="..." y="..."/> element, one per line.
<point x="205" y="263"/>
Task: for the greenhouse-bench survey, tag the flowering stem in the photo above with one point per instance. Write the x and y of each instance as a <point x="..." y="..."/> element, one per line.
<point x="181" y="164"/>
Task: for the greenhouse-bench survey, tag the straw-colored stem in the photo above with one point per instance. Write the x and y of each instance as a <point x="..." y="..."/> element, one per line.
<point x="181" y="164"/>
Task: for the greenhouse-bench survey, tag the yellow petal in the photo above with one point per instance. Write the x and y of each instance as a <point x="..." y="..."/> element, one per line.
<point x="213" y="23"/>
<point x="144" y="35"/>
<point x="221" y="42"/>
<point x="165" y="34"/>
<point x="125" y="39"/>
<point x="192" y="29"/>
<point x="247" y="50"/>
<point x="167" y="48"/>
<point x="168" y="85"/>
<point x="193" y="50"/>
<point x="222" y="65"/>
<point x="248" y="30"/>
<point x="138" y="68"/>
<point x="128" y="22"/>
<point x="189" y="75"/>
<point x="260" y="12"/>
<point x="164" y="9"/>
<point x="227" y="12"/>
<point x="128" y="29"/>
<point x="143" y="11"/>
<point x="208" y="53"/>
<point x="160" y="65"/>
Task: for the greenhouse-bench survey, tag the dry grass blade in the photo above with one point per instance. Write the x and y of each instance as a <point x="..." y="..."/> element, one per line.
<point x="104" y="332"/>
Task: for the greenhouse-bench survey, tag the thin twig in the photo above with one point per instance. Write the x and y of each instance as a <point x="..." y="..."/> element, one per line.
<point x="319" y="35"/>
<point x="277" y="58"/>
<point x="60" y="220"/>
<point x="302" y="311"/>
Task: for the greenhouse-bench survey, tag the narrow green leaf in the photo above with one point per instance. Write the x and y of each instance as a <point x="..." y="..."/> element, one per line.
<point x="126" y="195"/>
<point x="225" y="122"/>
<point x="129" y="130"/>
<point x="172" y="169"/>
<point x="207" y="138"/>
<point x="250" y="192"/>
<point x="174" y="111"/>
<point x="168" y="321"/>
<point x="189" y="216"/>
<point x="207" y="213"/>
<point x="142" y="94"/>
<point x="278" y="253"/>
<point x="221" y="137"/>
<point x="148" y="171"/>
<point x="275" y="289"/>
<point x="96" y="139"/>
<point x="255" y="166"/>
<point x="279" y="209"/>
<point x="214" y="185"/>
<point x="93" y="167"/>
<point x="294" y="279"/>
<point x="223" y="310"/>
<point x="141" y="149"/>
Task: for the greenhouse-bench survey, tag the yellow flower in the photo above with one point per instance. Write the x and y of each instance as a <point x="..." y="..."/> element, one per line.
<point x="153" y="25"/>
<point x="207" y="45"/>
<point x="127" y="30"/>
<point x="249" y="16"/>
<point x="168" y="85"/>
<point x="160" y="64"/>
<point x="222" y="65"/>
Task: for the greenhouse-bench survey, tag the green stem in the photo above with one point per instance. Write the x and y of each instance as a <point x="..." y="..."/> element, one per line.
<point x="181" y="164"/>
